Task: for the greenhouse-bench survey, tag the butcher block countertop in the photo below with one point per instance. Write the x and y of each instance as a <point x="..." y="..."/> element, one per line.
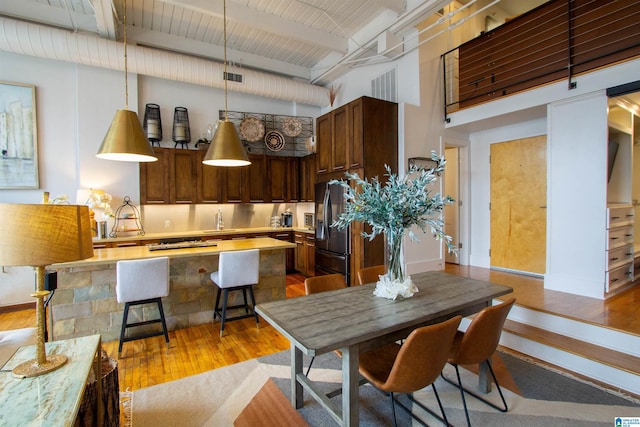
<point x="112" y="255"/>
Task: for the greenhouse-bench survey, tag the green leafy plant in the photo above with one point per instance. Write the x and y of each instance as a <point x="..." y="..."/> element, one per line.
<point x="395" y="206"/>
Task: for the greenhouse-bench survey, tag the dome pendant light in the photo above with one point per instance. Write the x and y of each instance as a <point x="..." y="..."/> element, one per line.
<point x="225" y="148"/>
<point x="125" y="140"/>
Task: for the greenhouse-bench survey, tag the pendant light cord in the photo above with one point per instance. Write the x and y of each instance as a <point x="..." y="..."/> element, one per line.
<point x="126" y="80"/>
<point x="224" y="75"/>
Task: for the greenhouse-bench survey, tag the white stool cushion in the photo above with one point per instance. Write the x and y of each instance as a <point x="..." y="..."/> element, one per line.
<point x="142" y="279"/>
<point x="237" y="268"/>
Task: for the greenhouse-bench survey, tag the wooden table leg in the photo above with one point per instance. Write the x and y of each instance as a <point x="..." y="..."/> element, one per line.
<point x="97" y="370"/>
<point x="297" y="397"/>
<point x="350" y="384"/>
<point x="484" y="379"/>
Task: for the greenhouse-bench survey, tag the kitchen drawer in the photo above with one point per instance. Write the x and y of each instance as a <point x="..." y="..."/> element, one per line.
<point x="619" y="216"/>
<point x="619" y="256"/>
<point x="620" y="237"/>
<point x="618" y="277"/>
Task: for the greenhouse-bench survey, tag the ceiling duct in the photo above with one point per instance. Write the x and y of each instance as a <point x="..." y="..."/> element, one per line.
<point x="61" y="45"/>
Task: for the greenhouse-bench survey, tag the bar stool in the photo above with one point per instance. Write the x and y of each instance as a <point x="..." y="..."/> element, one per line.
<point x="237" y="271"/>
<point x="142" y="281"/>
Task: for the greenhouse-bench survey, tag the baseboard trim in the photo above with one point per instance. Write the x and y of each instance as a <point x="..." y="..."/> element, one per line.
<point x="17" y="307"/>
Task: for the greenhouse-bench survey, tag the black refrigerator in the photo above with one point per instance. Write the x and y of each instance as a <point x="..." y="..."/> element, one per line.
<point x="333" y="246"/>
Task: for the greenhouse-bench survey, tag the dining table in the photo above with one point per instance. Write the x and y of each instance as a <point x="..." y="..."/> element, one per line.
<point x="353" y="320"/>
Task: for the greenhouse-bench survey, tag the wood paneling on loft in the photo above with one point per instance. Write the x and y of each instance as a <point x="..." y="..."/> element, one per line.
<point x="536" y="48"/>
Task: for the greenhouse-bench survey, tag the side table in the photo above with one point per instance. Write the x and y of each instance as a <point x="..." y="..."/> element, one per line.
<point x="52" y="399"/>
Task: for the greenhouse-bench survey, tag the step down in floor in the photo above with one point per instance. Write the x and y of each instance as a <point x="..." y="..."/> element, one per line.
<point x="607" y="356"/>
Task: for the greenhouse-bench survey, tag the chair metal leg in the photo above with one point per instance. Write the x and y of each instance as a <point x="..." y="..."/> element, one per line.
<point x="225" y="295"/>
<point x="164" y="323"/>
<point x="123" y="328"/>
<point x="244" y="296"/>
<point x="393" y="410"/>
<point x="309" y="367"/>
<point x="253" y="304"/>
<point x="463" y="390"/>
<point x="216" y="307"/>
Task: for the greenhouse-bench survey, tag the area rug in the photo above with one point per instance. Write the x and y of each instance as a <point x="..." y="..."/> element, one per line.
<point x="223" y="396"/>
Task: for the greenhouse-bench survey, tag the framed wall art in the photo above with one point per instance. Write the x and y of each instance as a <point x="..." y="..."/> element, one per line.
<point x="18" y="136"/>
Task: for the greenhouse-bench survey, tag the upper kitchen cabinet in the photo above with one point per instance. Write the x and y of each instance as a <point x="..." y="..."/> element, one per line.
<point x="257" y="184"/>
<point x="283" y="179"/>
<point x="183" y="176"/>
<point x="307" y="178"/>
<point x="360" y="134"/>
<point x="171" y="179"/>
<point x="212" y="180"/>
<point x="154" y="178"/>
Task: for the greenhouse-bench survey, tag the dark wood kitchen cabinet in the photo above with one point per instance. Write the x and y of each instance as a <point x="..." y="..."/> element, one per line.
<point x="183" y="176"/>
<point x="366" y="129"/>
<point x="154" y="178"/>
<point x="171" y="179"/>
<point x="305" y="259"/>
<point x="333" y="130"/>
<point x="307" y="178"/>
<point x="180" y="177"/>
<point x="211" y="181"/>
<point x="257" y="171"/>
<point x="284" y="182"/>
<point x="278" y="177"/>
<point x="362" y="134"/>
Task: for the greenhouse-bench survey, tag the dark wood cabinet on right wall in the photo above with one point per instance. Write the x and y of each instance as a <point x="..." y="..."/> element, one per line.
<point x="362" y="137"/>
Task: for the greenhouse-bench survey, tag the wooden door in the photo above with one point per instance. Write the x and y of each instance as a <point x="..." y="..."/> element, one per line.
<point x="356" y="147"/>
<point x="324" y="143"/>
<point x="341" y="138"/>
<point x="183" y="176"/>
<point x="256" y="182"/>
<point x="154" y="178"/>
<point x="277" y="171"/>
<point x="293" y="181"/>
<point x="211" y="181"/>
<point x="518" y="205"/>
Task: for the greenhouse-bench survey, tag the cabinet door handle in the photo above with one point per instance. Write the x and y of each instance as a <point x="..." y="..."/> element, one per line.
<point x="337" y="168"/>
<point x="614" y="238"/>
<point x="613" y="259"/>
<point x="615" y="217"/>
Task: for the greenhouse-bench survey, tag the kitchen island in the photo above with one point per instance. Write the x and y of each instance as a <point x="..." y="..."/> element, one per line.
<point x="85" y="301"/>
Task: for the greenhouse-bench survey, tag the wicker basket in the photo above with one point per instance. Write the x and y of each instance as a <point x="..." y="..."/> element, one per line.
<point x="87" y="415"/>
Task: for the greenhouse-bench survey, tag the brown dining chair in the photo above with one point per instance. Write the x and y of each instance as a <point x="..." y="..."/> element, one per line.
<point x="323" y="283"/>
<point x="477" y="345"/>
<point x="370" y="274"/>
<point x="409" y="367"/>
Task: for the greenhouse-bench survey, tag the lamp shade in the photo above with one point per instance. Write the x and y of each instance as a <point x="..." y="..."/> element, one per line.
<point x="225" y="148"/>
<point x="40" y="235"/>
<point x="125" y="140"/>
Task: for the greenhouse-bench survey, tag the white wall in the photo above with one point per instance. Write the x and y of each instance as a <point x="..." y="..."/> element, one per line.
<point x="577" y="195"/>
<point x="75" y="106"/>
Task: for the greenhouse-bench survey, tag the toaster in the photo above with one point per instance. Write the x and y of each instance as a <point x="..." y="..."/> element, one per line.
<point x="310" y="220"/>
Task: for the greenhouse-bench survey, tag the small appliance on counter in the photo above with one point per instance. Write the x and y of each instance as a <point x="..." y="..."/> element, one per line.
<point x="286" y="219"/>
<point x="310" y="220"/>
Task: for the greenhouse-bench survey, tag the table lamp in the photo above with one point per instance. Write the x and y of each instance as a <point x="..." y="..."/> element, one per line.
<point x="37" y="236"/>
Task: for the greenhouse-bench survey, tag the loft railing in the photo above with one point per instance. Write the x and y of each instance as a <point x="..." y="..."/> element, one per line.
<point x="559" y="39"/>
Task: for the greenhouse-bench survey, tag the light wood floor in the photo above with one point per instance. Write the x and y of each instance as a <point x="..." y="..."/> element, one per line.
<point x="199" y="349"/>
<point x="619" y="312"/>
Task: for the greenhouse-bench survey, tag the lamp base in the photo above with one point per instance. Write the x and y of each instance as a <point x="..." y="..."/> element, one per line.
<point x="31" y="368"/>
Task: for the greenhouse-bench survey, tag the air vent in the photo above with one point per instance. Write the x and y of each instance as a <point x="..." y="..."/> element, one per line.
<point x="232" y="77"/>
<point x="385" y="86"/>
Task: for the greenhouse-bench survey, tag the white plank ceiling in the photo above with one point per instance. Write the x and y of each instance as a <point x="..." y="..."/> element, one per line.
<point x="303" y="39"/>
